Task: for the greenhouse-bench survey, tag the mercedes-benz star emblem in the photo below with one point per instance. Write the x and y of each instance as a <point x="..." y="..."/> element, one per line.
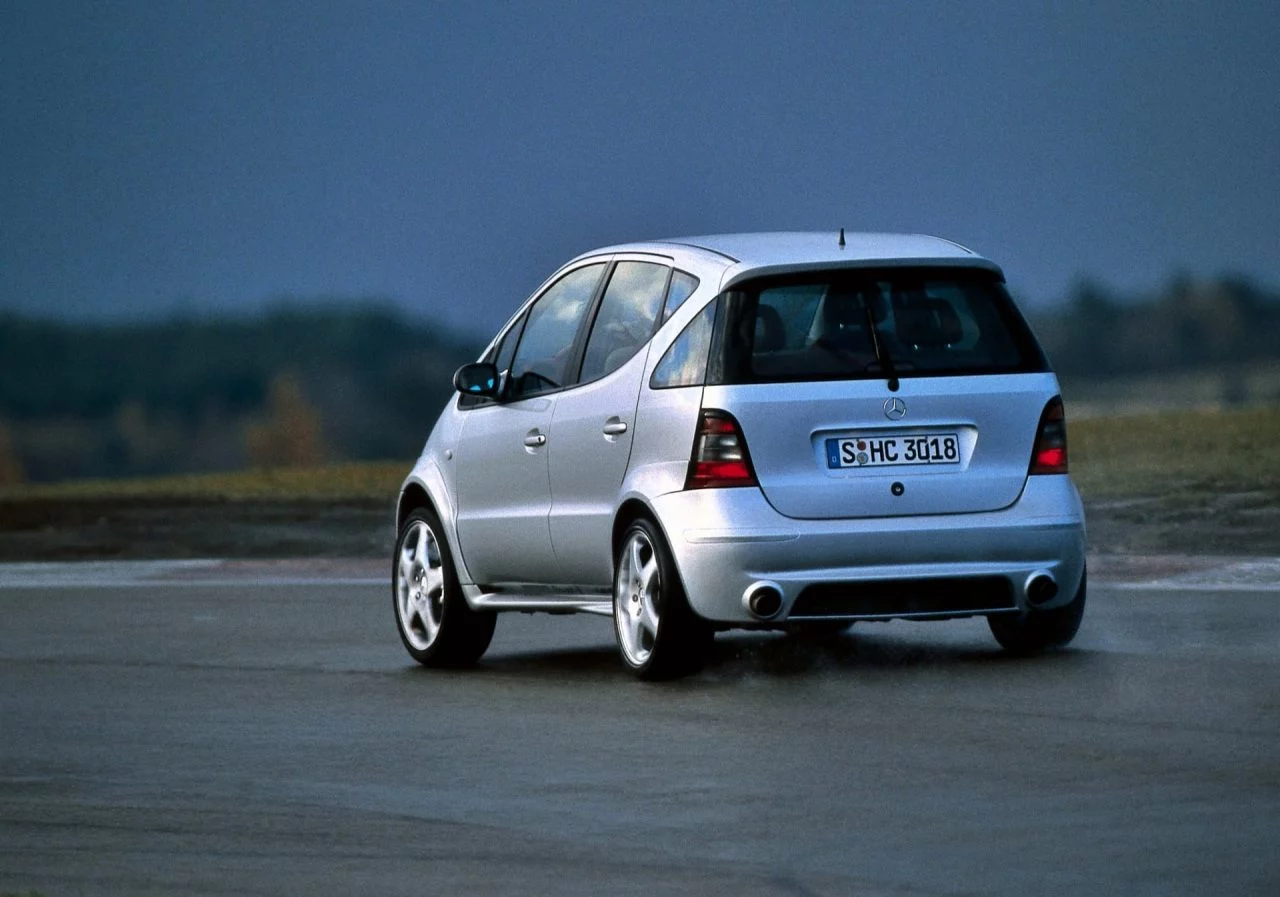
<point x="895" y="408"/>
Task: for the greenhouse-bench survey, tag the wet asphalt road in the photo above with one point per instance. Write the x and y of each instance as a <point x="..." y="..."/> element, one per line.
<point x="259" y="738"/>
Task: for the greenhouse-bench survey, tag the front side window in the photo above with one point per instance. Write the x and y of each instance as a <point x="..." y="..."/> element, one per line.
<point x="542" y="359"/>
<point x="506" y="350"/>
<point x="628" y="312"/>
<point x="864" y="324"/>
<point x="499" y="355"/>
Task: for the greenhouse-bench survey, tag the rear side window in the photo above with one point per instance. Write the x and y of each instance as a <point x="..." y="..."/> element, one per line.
<point x="866" y="324"/>
<point x="685" y="362"/>
<point x="682" y="287"/>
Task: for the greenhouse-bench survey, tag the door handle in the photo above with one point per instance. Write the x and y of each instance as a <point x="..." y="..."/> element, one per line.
<point x="533" y="439"/>
<point x="615" y="427"/>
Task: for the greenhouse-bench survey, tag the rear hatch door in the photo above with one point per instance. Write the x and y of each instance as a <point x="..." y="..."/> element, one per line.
<point x="848" y="449"/>
<point x="877" y="392"/>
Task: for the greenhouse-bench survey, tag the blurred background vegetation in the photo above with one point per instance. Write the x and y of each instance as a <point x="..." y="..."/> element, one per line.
<point x="300" y="385"/>
<point x="1203" y="343"/>
<point x="325" y="382"/>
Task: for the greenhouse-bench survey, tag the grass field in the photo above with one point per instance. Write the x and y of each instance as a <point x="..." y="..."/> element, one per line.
<point x="1185" y="482"/>
<point x="1195" y="482"/>
<point x="338" y="482"/>
<point x="1155" y="454"/>
<point x="1111" y="457"/>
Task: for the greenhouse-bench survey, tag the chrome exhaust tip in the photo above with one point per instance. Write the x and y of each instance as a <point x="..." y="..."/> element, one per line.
<point x="763" y="600"/>
<point x="1040" y="588"/>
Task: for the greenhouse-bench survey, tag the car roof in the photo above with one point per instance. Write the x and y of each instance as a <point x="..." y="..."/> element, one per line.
<point x="753" y="254"/>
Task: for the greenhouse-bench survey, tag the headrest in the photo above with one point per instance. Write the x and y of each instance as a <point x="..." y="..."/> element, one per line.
<point x="928" y="323"/>
<point x="771" y="334"/>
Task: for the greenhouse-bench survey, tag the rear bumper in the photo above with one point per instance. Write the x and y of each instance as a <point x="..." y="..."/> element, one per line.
<point x="727" y="541"/>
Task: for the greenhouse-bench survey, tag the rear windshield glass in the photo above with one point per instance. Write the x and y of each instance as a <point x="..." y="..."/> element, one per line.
<point x="866" y="324"/>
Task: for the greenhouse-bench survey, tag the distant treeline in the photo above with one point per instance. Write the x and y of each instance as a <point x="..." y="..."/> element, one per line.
<point x="298" y="385"/>
<point x="1224" y="322"/>
<point x="314" y="383"/>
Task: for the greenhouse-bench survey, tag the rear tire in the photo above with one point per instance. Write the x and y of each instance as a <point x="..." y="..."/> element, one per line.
<point x="436" y="625"/>
<point x="659" y="635"/>
<point x="1039" y="630"/>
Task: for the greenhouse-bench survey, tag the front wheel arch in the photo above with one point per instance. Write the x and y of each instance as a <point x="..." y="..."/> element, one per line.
<point x="413" y="497"/>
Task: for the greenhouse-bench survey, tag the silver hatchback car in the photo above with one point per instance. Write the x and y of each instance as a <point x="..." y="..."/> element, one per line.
<point x="761" y="431"/>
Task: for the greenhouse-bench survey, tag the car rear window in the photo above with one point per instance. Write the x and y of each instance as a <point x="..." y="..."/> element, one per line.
<point x="864" y="324"/>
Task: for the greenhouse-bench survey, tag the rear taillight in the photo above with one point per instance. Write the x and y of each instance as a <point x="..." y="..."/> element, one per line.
<point x="1050" y="452"/>
<point x="720" y="456"/>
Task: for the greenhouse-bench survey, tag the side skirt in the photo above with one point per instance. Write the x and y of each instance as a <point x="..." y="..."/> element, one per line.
<point x="540" y="602"/>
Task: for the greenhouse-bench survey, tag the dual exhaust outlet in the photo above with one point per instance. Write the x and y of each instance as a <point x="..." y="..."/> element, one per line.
<point x="764" y="599"/>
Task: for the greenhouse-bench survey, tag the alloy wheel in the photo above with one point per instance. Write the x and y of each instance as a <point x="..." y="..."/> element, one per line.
<point x="420" y="586"/>
<point x="637" y="598"/>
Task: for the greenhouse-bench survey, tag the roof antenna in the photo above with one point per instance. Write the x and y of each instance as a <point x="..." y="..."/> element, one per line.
<point x="842" y="238"/>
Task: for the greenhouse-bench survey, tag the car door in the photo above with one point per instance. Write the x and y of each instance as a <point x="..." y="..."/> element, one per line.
<point x="593" y="424"/>
<point x="504" y="494"/>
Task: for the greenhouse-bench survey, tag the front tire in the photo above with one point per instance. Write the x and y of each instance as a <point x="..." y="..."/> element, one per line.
<point x="659" y="635"/>
<point x="1039" y="630"/>
<point x="436" y="625"/>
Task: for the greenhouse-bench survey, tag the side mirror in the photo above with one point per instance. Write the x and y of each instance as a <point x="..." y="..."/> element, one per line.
<point x="480" y="378"/>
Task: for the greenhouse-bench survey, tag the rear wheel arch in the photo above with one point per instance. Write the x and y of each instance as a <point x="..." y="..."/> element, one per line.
<point x="658" y="634"/>
<point x="628" y="513"/>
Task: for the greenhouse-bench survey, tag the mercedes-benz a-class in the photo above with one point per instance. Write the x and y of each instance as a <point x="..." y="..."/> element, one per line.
<point x="783" y="431"/>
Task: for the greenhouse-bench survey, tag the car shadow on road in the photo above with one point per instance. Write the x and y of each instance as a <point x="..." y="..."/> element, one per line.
<point x="862" y="652"/>
<point x="592" y="663"/>
<point x="783" y="655"/>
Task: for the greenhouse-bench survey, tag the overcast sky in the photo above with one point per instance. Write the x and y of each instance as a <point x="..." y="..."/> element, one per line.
<point x="211" y="156"/>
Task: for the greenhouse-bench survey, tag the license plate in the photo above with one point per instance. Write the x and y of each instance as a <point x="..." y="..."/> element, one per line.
<point x="893" y="449"/>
